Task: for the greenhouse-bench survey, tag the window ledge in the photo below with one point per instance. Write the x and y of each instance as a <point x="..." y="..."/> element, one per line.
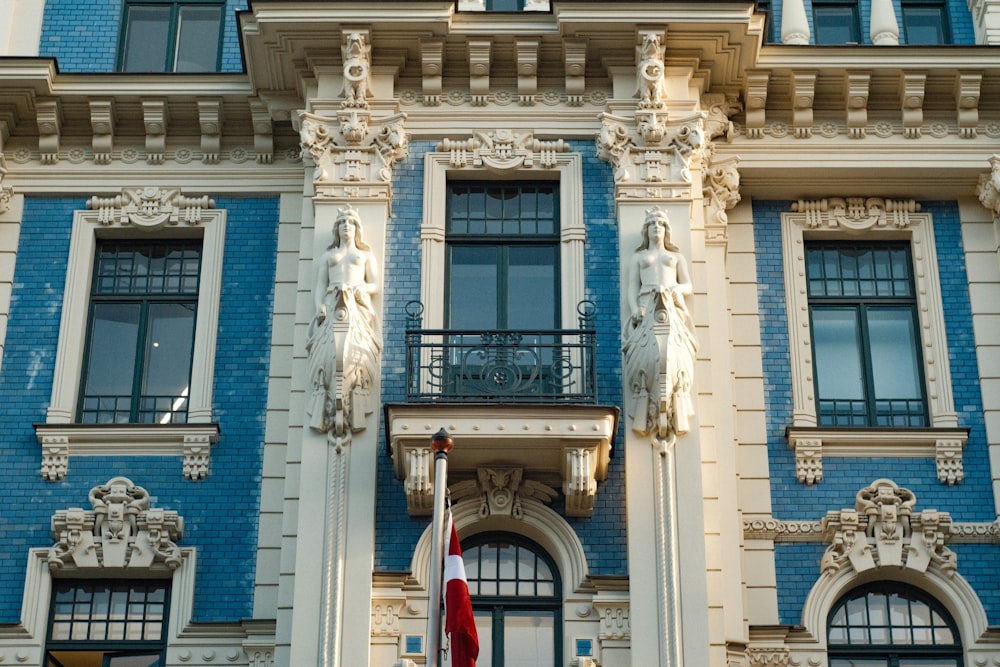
<point x="60" y="441"/>
<point x="560" y="445"/>
<point x="811" y="445"/>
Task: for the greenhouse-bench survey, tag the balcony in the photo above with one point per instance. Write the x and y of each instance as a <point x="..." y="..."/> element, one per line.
<point x="463" y="366"/>
<point x="521" y="407"/>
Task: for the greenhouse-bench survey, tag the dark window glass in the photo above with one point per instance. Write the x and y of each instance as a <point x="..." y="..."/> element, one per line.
<point x="517" y="599"/>
<point x="107" y="624"/>
<point x="503" y="256"/>
<point x="925" y="23"/>
<point x="171" y="37"/>
<point x="836" y="23"/>
<point x="504" y="5"/>
<point x="141" y="335"/>
<point x="891" y="626"/>
<point x="866" y="343"/>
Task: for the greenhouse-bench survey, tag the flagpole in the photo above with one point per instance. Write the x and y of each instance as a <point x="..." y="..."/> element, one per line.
<point x="441" y="443"/>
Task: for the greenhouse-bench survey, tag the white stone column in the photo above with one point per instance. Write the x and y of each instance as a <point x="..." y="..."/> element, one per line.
<point x="884" y="26"/>
<point x="794" y="24"/>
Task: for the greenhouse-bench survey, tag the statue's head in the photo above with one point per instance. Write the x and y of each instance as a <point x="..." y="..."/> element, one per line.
<point x="656" y="218"/>
<point x="347" y="228"/>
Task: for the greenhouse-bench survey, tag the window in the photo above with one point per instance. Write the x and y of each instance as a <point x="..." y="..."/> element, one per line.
<point x="171" y="37"/>
<point x="503" y="256"/>
<point x="925" y="22"/>
<point x="517" y="600"/>
<point x="140" y="336"/>
<point x="865" y="334"/>
<point x="107" y="624"/>
<point x="897" y="626"/>
<point x="836" y="23"/>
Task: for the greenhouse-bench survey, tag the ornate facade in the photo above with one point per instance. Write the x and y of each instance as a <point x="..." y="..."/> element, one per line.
<point x="706" y="295"/>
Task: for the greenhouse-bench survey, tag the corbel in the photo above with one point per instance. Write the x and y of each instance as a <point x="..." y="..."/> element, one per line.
<point x="912" y="85"/>
<point x="527" y="71"/>
<point x="197" y="455"/>
<point x="803" y="95"/>
<point x="49" y="115"/>
<point x="968" y="86"/>
<point x="579" y="481"/>
<point x="480" y="54"/>
<point x="755" y="94"/>
<point x="432" y="67"/>
<point x="263" y="132"/>
<point x="6" y="193"/>
<point x="210" y="119"/>
<point x="155" y="117"/>
<point x="102" y="122"/>
<point x="808" y="460"/>
<point x="857" y="90"/>
<point x="55" y="457"/>
<point x="419" y="485"/>
<point x="575" y="58"/>
<point x="948" y="457"/>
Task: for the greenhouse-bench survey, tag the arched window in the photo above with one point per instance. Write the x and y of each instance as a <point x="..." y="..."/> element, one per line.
<point x="517" y="599"/>
<point x="891" y="625"/>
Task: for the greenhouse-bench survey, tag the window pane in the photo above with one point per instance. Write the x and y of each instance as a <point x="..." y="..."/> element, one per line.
<point x="532" y="288"/>
<point x="473" y="288"/>
<point x="169" y="346"/>
<point x="835" y="24"/>
<point x="529" y="639"/>
<point x="198" y="39"/>
<point x="134" y="661"/>
<point x="484" y="628"/>
<point x="858" y="662"/>
<point x="894" y="353"/>
<point x="924" y="25"/>
<point x="111" y="366"/>
<point x="146" y="39"/>
<point x="837" y="338"/>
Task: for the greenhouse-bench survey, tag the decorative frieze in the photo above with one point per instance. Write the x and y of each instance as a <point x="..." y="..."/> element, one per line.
<point x="810" y="531"/>
<point x="121" y="532"/>
<point x="502" y="151"/>
<point x="883" y="530"/>
<point x="856" y="214"/>
<point x="150" y="208"/>
<point x="768" y="657"/>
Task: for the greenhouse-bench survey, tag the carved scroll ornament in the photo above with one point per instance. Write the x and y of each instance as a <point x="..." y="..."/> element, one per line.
<point x="121" y="531"/>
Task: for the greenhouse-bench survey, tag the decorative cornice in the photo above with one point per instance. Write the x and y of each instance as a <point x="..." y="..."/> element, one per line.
<point x="776" y="530"/>
<point x="855" y="214"/>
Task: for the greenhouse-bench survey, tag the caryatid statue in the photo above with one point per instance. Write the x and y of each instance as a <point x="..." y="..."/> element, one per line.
<point x="658" y="339"/>
<point x="344" y="340"/>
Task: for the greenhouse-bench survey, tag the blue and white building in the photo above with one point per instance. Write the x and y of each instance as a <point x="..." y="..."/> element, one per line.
<point x="254" y="256"/>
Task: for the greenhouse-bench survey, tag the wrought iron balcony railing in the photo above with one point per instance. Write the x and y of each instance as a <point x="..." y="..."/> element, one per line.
<point x="504" y="366"/>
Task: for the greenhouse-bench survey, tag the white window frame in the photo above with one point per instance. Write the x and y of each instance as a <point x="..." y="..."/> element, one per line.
<point x="178" y="217"/>
<point x="872" y="219"/>
<point x="440" y="167"/>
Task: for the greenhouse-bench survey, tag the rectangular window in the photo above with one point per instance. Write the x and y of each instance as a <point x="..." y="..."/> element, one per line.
<point x="836" y="23"/>
<point x="140" y="335"/>
<point x="107" y="624"/>
<point x="925" y="22"/>
<point x="171" y="37"/>
<point x="866" y="342"/>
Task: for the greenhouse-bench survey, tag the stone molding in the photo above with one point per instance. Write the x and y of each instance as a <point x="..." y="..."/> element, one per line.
<point x="868" y="218"/>
<point x="150" y="208"/>
<point x="502" y="151"/>
<point x="59" y="442"/>
<point x="122" y="532"/>
<point x="500" y="490"/>
<point x="811" y="445"/>
<point x="776" y="530"/>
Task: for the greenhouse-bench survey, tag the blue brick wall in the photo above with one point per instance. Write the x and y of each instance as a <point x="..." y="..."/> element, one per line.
<point x="962" y="30"/>
<point x="972" y="500"/>
<point x="396" y="533"/>
<point x="221" y="511"/>
<point x="84" y="36"/>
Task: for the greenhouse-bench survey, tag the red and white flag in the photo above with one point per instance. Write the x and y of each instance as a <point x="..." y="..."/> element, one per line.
<point x="460" y="624"/>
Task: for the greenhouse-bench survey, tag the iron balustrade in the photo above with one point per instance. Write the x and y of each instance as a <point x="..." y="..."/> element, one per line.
<point x="503" y="366"/>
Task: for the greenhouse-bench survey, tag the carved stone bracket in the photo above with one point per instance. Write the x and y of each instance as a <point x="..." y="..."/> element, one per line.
<point x="263" y="131"/>
<point x="432" y="67"/>
<point x="616" y="622"/>
<point x="210" y="117"/>
<point x="149" y="208"/>
<point x="121" y="532"/>
<point x="102" y="121"/>
<point x="575" y="57"/>
<point x="6" y="194"/>
<point x="721" y="191"/>
<point x="812" y="445"/>
<point x="755" y="94"/>
<point x="354" y="153"/>
<point x="883" y="530"/>
<point x="356" y="51"/>
<point x="989" y="187"/>
<point x="385" y="616"/>
<point x="651" y="148"/>
<point x="502" y="151"/>
<point x="858" y="85"/>
<point x="768" y="656"/>
<point x="155" y="116"/>
<point x="856" y="214"/>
